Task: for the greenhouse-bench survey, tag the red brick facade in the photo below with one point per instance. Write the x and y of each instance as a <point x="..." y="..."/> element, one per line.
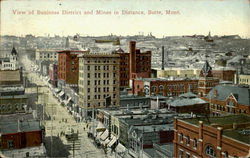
<point x="68" y="66"/>
<point x="205" y="141"/>
<point x="21" y="139"/>
<point x="166" y="87"/>
<point x="218" y="107"/>
<point x="139" y="63"/>
<point x="205" y="85"/>
<point x="124" y="69"/>
<point x="225" y="75"/>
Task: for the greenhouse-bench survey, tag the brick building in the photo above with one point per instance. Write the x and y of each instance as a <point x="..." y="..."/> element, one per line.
<point x="219" y="137"/>
<point x="206" y="81"/>
<point x="139" y="63"/>
<point x="68" y="68"/>
<point x="224" y="74"/>
<point x="229" y="99"/>
<point x="134" y="64"/>
<point x="21" y="134"/>
<point x="165" y="87"/>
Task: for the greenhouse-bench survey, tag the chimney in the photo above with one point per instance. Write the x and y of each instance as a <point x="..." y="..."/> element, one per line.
<point x="162" y="57"/>
<point x="132" y="54"/>
<point x="18" y="125"/>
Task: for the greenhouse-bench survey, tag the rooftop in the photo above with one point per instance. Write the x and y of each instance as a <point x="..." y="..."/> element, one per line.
<point x="10" y="75"/>
<point x="223" y="91"/>
<point x="226" y="120"/>
<point x="164" y="79"/>
<point x="25" y="126"/>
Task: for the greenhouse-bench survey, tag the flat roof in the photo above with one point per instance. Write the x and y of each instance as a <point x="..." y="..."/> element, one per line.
<point x="25" y="126"/>
<point x="223" y="120"/>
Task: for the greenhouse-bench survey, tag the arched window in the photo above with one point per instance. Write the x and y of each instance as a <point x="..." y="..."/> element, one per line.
<point x="161" y="87"/>
<point x="188" y="140"/>
<point x="181" y="137"/>
<point x="153" y="88"/>
<point x="209" y="150"/>
<point x="195" y="143"/>
<point x="225" y="154"/>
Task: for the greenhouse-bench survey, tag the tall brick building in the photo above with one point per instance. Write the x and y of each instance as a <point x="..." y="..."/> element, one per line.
<point x="134" y="64"/>
<point x="206" y="81"/>
<point x="214" y="137"/>
<point x="68" y="68"/>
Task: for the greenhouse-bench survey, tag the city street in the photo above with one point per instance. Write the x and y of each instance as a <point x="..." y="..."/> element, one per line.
<point x="60" y="121"/>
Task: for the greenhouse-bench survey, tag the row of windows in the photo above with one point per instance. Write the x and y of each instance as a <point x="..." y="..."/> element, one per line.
<point x="229" y="109"/>
<point x="104" y="60"/>
<point x="99" y="103"/>
<point x="175" y="87"/>
<point x="99" y="96"/>
<point x="9" y="107"/>
<point x="98" y="82"/>
<point x="188" y="141"/>
<point x="105" y="89"/>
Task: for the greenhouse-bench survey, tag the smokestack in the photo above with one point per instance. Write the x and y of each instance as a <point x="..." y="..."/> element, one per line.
<point x="18" y="125"/>
<point x="162" y="57"/>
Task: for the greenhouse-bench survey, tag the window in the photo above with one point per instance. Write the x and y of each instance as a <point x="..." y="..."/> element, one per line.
<point x="99" y="104"/>
<point x="95" y="82"/>
<point x="9" y="107"/>
<point x="88" y="82"/>
<point x="88" y="97"/>
<point x="107" y="82"/>
<point x="181" y="138"/>
<point x="209" y="150"/>
<point x="88" y="90"/>
<point x="88" y="67"/>
<point x="88" y="75"/>
<point x="226" y="154"/>
<point x="181" y="153"/>
<point x="2" y="108"/>
<point x="17" y="107"/>
<point x="107" y="75"/>
<point x="104" y="67"/>
<point x="99" y="82"/>
<point x="114" y="82"/>
<point x="114" y="67"/>
<point x="104" y="89"/>
<point x="104" y="75"/>
<point x="188" y="140"/>
<point x="114" y="89"/>
<point x="10" y="144"/>
<point x="104" y="82"/>
<point x="153" y="88"/>
<point x="114" y="95"/>
<point x="95" y="75"/>
<point x="187" y="155"/>
<point x="107" y="89"/>
<point x="113" y="74"/>
<point x="95" y="96"/>
<point x="99" y="67"/>
<point x="95" y="67"/>
<point x="73" y="63"/>
<point x="88" y="104"/>
<point x="99" y="89"/>
<point x="99" y="96"/>
<point x="22" y="106"/>
<point x="99" y="75"/>
<point x="161" y="87"/>
<point x="195" y="143"/>
<point x="95" y="89"/>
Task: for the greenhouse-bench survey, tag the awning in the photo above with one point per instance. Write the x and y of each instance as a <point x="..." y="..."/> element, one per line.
<point x="104" y="135"/>
<point x="120" y="148"/>
<point x="108" y="140"/>
<point x="61" y="93"/>
<point x="114" y="139"/>
<point x="56" y="90"/>
<point x="99" y="135"/>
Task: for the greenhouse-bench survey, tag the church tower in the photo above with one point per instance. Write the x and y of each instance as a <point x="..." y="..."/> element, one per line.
<point x="206" y="80"/>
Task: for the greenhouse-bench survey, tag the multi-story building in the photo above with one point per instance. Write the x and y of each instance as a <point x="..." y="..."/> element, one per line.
<point x="226" y="136"/>
<point x="224" y="74"/>
<point x="124" y="69"/>
<point x="139" y="63"/>
<point x="243" y="79"/>
<point x="227" y="98"/>
<point x="53" y="74"/>
<point x="165" y="87"/>
<point x="68" y="68"/>
<point x="46" y="55"/>
<point x="99" y="79"/>
<point x="134" y="64"/>
<point x="206" y="81"/>
<point x="10" y="61"/>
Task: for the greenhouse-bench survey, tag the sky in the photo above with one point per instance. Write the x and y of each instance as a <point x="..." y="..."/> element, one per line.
<point x="221" y="17"/>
